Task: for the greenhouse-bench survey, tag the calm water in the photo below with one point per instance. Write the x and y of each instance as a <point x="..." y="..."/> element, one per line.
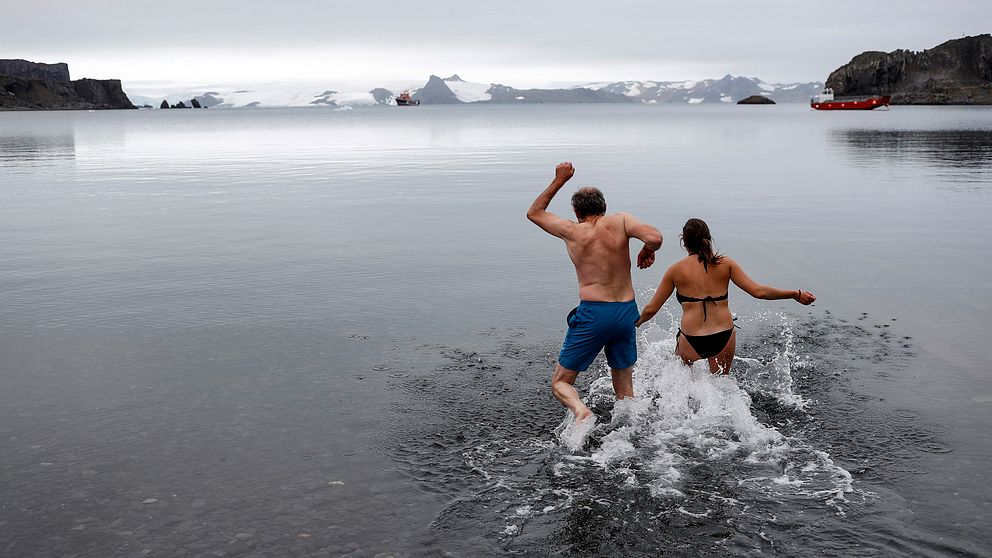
<point x="317" y="332"/>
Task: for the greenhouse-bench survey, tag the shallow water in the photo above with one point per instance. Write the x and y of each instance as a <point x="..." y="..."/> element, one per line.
<point x="319" y="332"/>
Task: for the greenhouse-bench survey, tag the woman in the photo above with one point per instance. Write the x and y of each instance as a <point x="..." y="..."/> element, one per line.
<point x="700" y="282"/>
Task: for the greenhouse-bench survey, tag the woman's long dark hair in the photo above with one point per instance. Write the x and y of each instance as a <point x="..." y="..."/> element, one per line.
<point x="697" y="240"/>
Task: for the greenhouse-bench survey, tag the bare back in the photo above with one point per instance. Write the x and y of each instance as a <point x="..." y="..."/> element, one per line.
<point x="691" y="279"/>
<point x="598" y="244"/>
<point x="599" y="247"/>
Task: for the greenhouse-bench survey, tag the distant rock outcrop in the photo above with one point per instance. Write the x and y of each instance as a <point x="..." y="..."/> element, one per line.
<point x="436" y="92"/>
<point x="756" y="100"/>
<point x="958" y="72"/>
<point x="193" y="103"/>
<point x="32" y="86"/>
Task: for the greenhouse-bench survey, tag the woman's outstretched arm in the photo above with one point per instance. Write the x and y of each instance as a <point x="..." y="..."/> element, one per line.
<point x="764" y="292"/>
<point x="664" y="291"/>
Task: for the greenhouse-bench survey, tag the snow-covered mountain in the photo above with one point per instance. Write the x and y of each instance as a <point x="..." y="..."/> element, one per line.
<point x="455" y="90"/>
<point x="468" y="92"/>
<point x="728" y="89"/>
<point x="283" y="94"/>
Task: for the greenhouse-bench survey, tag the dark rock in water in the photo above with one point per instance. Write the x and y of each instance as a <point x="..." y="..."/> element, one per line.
<point x="756" y="100"/>
<point x="180" y="104"/>
<point x="958" y="72"/>
<point x="382" y="96"/>
<point x="436" y="92"/>
<point x="31" y="86"/>
<point x="194" y="103"/>
<point x="164" y="105"/>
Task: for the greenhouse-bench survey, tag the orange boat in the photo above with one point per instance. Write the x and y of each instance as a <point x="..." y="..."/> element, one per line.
<point x="826" y="101"/>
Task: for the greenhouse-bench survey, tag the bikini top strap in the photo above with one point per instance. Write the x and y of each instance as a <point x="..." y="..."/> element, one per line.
<point x="682" y="298"/>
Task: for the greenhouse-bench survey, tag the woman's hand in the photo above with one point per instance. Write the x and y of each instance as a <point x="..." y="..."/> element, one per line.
<point x="805" y="297"/>
<point x="664" y="291"/>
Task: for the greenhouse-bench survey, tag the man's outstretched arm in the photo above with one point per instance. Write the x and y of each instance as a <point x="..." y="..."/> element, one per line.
<point x="538" y="212"/>
<point x="650" y="236"/>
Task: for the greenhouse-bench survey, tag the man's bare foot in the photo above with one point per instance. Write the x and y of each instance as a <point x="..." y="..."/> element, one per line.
<point x="582" y="415"/>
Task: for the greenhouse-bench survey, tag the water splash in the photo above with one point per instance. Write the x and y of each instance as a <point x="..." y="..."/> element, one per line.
<point x="684" y="418"/>
<point x="773" y="378"/>
<point x="574" y="436"/>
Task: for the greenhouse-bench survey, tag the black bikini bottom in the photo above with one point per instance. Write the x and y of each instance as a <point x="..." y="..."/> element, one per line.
<point x="707" y="346"/>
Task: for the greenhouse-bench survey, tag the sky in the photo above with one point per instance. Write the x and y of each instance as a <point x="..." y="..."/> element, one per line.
<point x="514" y="42"/>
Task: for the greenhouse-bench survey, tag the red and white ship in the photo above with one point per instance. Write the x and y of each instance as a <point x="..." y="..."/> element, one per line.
<point x="405" y="100"/>
<point x="825" y="101"/>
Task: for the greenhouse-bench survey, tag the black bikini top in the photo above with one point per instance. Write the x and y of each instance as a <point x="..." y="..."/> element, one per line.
<point x="682" y="298"/>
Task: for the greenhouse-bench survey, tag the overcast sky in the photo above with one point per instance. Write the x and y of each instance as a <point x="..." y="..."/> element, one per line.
<point x="514" y="42"/>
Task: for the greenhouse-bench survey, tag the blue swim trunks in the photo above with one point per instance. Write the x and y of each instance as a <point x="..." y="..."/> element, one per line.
<point x="595" y="325"/>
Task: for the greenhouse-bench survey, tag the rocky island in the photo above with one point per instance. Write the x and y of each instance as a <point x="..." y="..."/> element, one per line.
<point x="35" y="86"/>
<point x="756" y="100"/>
<point x="958" y="72"/>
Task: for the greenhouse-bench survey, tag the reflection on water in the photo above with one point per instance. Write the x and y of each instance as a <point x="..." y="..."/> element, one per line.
<point x="38" y="146"/>
<point x="963" y="155"/>
<point x="33" y="150"/>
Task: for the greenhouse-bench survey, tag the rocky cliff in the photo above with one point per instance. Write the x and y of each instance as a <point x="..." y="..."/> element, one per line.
<point x="35" y="70"/>
<point x="958" y="72"/>
<point x="32" y="86"/>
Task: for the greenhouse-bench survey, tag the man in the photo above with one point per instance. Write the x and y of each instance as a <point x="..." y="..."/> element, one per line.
<point x="598" y="245"/>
